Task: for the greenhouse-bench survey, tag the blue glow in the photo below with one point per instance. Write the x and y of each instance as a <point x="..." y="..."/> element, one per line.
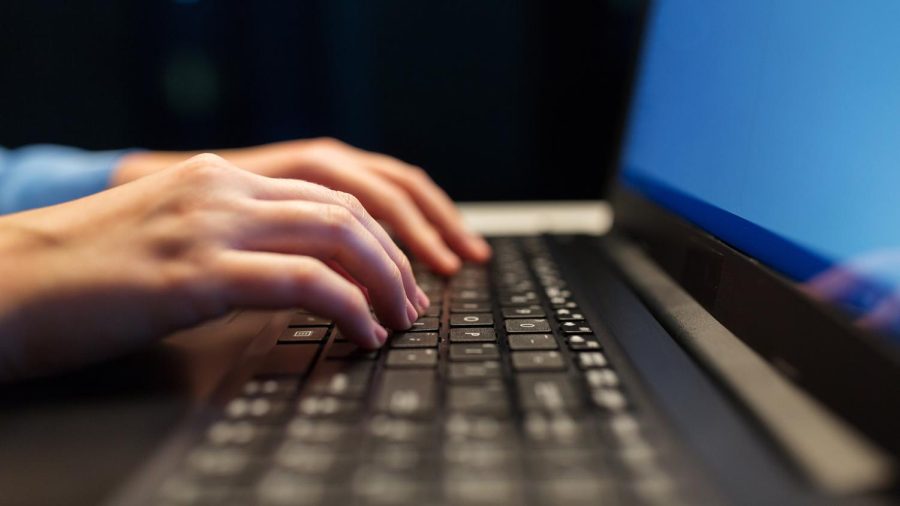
<point x="775" y="125"/>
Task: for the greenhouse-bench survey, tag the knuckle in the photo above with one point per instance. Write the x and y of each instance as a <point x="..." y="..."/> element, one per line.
<point x="349" y="201"/>
<point x="418" y="173"/>
<point x="328" y="142"/>
<point x="339" y="221"/>
<point x="403" y="263"/>
<point x="309" y="271"/>
<point x="209" y="169"/>
<point x="207" y="159"/>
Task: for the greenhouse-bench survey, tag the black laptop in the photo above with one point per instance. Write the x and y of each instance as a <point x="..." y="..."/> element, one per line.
<point x="733" y="340"/>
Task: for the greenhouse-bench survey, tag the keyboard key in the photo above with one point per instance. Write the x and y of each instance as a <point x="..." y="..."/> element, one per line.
<point x="537" y="361"/>
<point x="475" y="335"/>
<point x="350" y="351"/>
<point x="303" y="335"/>
<point x="532" y="342"/>
<point x="471" y="320"/>
<point x="467" y="295"/>
<point x="461" y="372"/>
<point x="583" y="343"/>
<point x="523" y="312"/>
<point x="406" y="393"/>
<point x="342" y="379"/>
<point x="473" y="351"/>
<point x="592" y="360"/>
<point x="575" y="328"/>
<point x="412" y="358"/>
<point x="433" y="311"/>
<point x="324" y="406"/>
<point x="415" y="340"/>
<point x="470" y="307"/>
<point x="426" y="324"/>
<point x="279" y="388"/>
<point x="527" y="325"/>
<point x="597" y="378"/>
<point x="519" y="299"/>
<point x="569" y="317"/>
<point x="490" y="399"/>
<point x="610" y="399"/>
<point x="554" y="429"/>
<point x="288" y="360"/>
<point x="547" y="392"/>
<point x="308" y="320"/>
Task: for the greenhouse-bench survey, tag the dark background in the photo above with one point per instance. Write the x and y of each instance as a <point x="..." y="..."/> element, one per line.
<point x="498" y="100"/>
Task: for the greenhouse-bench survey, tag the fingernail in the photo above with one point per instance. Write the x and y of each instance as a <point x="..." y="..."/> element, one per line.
<point x="422" y="298"/>
<point x="381" y="334"/>
<point x="411" y="312"/>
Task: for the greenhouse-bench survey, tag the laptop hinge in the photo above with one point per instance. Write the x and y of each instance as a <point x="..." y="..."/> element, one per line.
<point x="830" y="452"/>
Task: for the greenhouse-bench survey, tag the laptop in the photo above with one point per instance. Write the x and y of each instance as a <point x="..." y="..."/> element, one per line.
<point x="732" y="340"/>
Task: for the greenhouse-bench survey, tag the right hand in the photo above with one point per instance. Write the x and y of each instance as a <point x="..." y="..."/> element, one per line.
<point x="103" y="275"/>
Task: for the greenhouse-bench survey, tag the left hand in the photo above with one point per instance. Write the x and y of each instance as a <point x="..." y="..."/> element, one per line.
<point x="401" y="195"/>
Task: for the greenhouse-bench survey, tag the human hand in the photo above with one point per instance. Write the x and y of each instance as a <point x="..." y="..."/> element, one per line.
<point x="401" y="195"/>
<point x="99" y="276"/>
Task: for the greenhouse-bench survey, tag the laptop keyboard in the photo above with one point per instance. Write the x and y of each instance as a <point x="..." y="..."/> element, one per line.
<point x="501" y="394"/>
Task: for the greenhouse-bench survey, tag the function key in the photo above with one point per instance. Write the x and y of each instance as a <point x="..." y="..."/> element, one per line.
<point x="527" y="326"/>
<point x="471" y="320"/>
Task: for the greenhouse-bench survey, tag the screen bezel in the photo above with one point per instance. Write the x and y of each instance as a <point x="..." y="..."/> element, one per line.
<point x="854" y="372"/>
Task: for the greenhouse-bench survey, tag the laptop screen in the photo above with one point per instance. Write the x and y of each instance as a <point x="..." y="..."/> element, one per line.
<point x="775" y="126"/>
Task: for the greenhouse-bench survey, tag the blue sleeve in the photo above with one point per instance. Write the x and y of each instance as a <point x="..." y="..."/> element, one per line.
<point x="43" y="175"/>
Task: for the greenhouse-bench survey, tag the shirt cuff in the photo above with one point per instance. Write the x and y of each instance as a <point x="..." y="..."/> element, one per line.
<point x="44" y="175"/>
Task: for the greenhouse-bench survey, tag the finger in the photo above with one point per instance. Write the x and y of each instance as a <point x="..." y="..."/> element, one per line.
<point x="282" y="189"/>
<point x="832" y="285"/>
<point x="434" y="203"/>
<point x="332" y="233"/>
<point x="276" y="281"/>
<point x="385" y="200"/>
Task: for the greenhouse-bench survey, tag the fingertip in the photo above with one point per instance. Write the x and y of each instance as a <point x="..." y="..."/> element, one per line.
<point x="480" y="249"/>
<point x="380" y="336"/>
<point x="411" y="313"/>
<point x="423" y="300"/>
